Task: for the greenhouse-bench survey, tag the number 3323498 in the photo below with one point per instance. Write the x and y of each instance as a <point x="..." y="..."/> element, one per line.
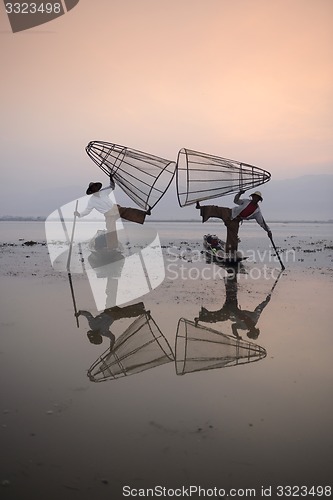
<point x="33" y="8"/>
<point x="303" y="491"/>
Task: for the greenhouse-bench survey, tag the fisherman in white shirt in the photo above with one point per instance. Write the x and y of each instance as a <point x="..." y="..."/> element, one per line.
<point x="101" y="201"/>
<point x="100" y="325"/>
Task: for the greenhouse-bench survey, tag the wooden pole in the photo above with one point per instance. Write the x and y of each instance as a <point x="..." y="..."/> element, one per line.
<point x="69" y="268"/>
<point x="277" y="253"/>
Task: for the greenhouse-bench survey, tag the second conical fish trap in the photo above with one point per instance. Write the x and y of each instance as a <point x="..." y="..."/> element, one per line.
<point x="141" y="347"/>
<point x="199" y="348"/>
<point x="201" y="176"/>
<point x="142" y="176"/>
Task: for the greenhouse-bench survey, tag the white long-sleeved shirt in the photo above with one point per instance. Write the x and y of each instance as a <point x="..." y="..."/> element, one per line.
<point x="99" y="201"/>
<point x="257" y="215"/>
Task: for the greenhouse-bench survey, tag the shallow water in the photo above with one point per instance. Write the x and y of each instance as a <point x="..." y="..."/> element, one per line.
<point x="244" y="425"/>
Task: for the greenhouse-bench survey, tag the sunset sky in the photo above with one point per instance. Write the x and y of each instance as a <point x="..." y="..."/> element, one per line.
<point x="250" y="80"/>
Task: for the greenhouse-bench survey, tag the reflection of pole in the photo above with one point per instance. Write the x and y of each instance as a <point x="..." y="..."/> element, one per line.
<point x="73" y="297"/>
<point x="69" y="264"/>
<point x="276" y="281"/>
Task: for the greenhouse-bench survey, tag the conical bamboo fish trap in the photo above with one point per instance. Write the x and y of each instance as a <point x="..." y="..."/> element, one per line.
<point x="142" y="176"/>
<point x="141" y="347"/>
<point x="200" y="348"/>
<point x="201" y="176"/>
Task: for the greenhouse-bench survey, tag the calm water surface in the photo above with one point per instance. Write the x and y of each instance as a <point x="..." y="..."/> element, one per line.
<point x="225" y="414"/>
<point x="13" y="231"/>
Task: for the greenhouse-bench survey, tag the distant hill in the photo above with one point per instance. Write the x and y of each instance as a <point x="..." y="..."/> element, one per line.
<point x="309" y="197"/>
<point x="304" y="198"/>
<point x="27" y="202"/>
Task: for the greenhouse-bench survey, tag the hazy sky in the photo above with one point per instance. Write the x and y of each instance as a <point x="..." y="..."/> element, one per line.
<point x="250" y="80"/>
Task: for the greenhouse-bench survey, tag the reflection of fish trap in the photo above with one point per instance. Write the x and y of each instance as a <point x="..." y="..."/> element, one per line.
<point x="144" y="177"/>
<point x="201" y="176"/>
<point x="200" y="348"/>
<point x="141" y="347"/>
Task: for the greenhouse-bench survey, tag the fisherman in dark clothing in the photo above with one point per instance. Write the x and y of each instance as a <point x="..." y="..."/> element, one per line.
<point x="245" y="209"/>
<point x="241" y="319"/>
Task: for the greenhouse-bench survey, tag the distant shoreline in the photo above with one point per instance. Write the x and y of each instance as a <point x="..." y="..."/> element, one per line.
<point x="9" y="218"/>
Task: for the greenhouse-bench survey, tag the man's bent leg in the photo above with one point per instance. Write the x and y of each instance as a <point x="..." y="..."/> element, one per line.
<point x="208" y="211"/>
<point x="132" y="214"/>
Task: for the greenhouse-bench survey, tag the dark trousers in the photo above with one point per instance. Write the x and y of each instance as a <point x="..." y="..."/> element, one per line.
<point x="232" y="225"/>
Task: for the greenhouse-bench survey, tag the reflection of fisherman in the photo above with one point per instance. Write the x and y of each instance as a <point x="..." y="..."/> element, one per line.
<point x="100" y="324"/>
<point x="101" y="202"/>
<point x="241" y="319"/>
<point x="246" y="209"/>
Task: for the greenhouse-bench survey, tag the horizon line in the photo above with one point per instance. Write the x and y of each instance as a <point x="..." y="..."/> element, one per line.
<point x="42" y="218"/>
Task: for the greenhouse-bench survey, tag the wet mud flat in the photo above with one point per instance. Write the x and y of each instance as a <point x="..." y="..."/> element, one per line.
<point x="171" y="418"/>
<point x="25" y="257"/>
